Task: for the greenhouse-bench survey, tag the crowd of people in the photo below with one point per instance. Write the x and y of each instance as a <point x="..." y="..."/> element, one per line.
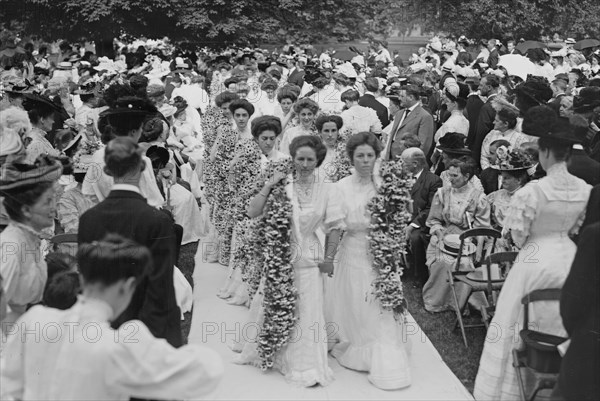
<point x="320" y="183"/>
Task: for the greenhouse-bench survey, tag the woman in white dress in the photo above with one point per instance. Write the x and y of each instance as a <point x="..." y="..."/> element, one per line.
<point x="303" y="361"/>
<point x="369" y="338"/>
<point x="358" y="118"/>
<point x="253" y="157"/>
<point x="539" y="219"/>
<point x="306" y="111"/>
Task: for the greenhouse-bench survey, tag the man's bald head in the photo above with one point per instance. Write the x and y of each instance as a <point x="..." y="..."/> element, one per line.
<point x="414" y="159"/>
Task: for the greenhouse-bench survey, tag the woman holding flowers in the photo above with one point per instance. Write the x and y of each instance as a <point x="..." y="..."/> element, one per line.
<point x="370" y="329"/>
<point x="292" y="337"/>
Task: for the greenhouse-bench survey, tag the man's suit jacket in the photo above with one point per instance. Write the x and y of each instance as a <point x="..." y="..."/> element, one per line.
<point x="368" y="100"/>
<point x="580" y="312"/>
<point x="584" y="167"/>
<point x="485" y="123"/>
<point x="489" y="180"/>
<point x="296" y="77"/>
<point x="422" y="193"/>
<point x="127" y="213"/>
<point x="493" y="59"/>
<point x="418" y="122"/>
<point x="592" y="212"/>
<point x="473" y="108"/>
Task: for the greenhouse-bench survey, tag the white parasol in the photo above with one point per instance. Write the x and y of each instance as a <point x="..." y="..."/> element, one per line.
<point x="517" y="65"/>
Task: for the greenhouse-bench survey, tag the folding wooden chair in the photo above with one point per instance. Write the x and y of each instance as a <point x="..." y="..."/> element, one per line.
<point x="459" y="275"/>
<point x="537" y="363"/>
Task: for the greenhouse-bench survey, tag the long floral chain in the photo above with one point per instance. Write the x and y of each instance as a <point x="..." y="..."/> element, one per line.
<point x="389" y="217"/>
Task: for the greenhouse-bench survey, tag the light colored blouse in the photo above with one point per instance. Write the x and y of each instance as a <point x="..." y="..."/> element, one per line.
<point x="38" y="145"/>
<point x="22" y="267"/>
<point x="72" y="204"/>
<point x="78" y="356"/>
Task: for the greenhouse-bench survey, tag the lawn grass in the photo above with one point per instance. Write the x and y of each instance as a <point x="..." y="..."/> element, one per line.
<point x="438" y="327"/>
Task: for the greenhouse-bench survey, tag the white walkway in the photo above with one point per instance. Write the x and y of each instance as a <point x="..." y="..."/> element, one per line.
<point x="215" y="324"/>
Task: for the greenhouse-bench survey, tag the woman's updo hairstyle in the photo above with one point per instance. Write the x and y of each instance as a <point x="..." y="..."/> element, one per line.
<point x="306" y="103"/>
<point x="26" y="195"/>
<point x="225" y="97"/>
<point x="241" y="104"/>
<point x="329" y="118"/>
<point x="152" y="129"/>
<point x="113" y="259"/>
<point x="321" y="82"/>
<point x="466" y="165"/>
<point x="363" y="138"/>
<point x="313" y="142"/>
<point x="350" y="95"/>
<point x="287" y="93"/>
<point x="265" y="123"/>
<point x="341" y="79"/>
<point x="508" y="116"/>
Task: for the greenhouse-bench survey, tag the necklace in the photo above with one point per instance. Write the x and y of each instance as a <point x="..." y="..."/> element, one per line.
<point x="304" y="191"/>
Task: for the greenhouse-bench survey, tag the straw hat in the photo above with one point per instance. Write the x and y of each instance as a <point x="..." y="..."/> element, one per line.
<point x="450" y="245"/>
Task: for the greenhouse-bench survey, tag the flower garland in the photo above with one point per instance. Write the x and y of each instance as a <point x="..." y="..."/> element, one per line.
<point x="341" y="162"/>
<point x="280" y="293"/>
<point x="213" y="119"/>
<point x="389" y="216"/>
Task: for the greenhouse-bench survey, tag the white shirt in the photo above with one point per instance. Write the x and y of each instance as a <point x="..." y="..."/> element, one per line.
<point x="360" y="119"/>
<point x="75" y="355"/>
<point x="194" y="95"/>
<point x="457" y="122"/>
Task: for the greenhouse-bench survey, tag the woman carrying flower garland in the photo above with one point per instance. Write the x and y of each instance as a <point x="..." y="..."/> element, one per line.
<point x="250" y="160"/>
<point x="369" y="337"/>
<point x="293" y="289"/>
<point x="306" y="110"/>
<point x="335" y="166"/>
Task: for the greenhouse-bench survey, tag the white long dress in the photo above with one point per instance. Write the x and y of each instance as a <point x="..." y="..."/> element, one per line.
<point x="303" y="361"/>
<point x="369" y="339"/>
<point x="539" y="217"/>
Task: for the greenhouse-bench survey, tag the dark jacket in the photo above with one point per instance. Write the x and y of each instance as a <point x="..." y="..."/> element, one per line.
<point x="474" y="105"/>
<point x="422" y="194"/>
<point x="493" y="59"/>
<point x="296" y="77"/>
<point x="485" y="123"/>
<point x="489" y="180"/>
<point x="127" y="213"/>
<point x="580" y="312"/>
<point x="368" y="100"/>
<point x="584" y="167"/>
<point x="592" y="212"/>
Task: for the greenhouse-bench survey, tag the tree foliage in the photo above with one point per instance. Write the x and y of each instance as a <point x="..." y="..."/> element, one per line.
<point x="254" y="21"/>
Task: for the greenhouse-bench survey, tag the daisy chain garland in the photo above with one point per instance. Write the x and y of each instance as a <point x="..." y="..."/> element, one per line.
<point x="280" y="292"/>
<point x="389" y="217"/>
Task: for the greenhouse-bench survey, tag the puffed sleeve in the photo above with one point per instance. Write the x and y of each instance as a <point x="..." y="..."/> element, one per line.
<point x="481" y="216"/>
<point x="68" y="215"/>
<point x="150" y="368"/>
<point x="334" y="212"/>
<point x="521" y="213"/>
<point x="435" y="219"/>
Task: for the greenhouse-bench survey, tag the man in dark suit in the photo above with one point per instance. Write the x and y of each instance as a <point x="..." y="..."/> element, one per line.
<point x="580" y="312"/>
<point x="369" y="100"/>
<point x="414" y="119"/>
<point x="126" y="212"/>
<point x="559" y="88"/>
<point x="296" y="76"/>
<point x="494" y="56"/>
<point x="473" y="107"/>
<point x="489" y="87"/>
<point x="583" y="166"/>
<point x="422" y="192"/>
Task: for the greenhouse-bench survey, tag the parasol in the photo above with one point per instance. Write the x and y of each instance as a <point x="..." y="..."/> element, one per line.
<point x="586" y="44"/>
<point x="516" y="65"/>
<point x="530" y="44"/>
<point x="344" y="55"/>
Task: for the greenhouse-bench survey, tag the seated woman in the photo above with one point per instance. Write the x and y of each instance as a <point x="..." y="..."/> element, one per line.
<point x="513" y="169"/>
<point x="504" y="128"/>
<point x="490" y="176"/>
<point x="454" y="209"/>
<point x="306" y="111"/>
<point x="452" y="147"/>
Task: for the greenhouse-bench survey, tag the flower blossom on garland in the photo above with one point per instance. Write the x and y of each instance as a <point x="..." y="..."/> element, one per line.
<point x="389" y="217"/>
<point x="280" y="292"/>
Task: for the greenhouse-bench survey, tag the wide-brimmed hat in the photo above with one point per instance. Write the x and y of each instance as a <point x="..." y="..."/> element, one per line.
<point x="19" y="86"/>
<point x="450" y="245"/>
<point x="587" y="99"/>
<point x="33" y="100"/>
<point x="453" y="143"/>
<point x="536" y="90"/>
<point x="86" y="88"/>
<point x="65" y="65"/>
<point x="512" y="160"/>
<point x="561" y="77"/>
<point x="17" y="175"/>
<point x="130" y="105"/>
<point x="570" y="41"/>
<point x="542" y="122"/>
